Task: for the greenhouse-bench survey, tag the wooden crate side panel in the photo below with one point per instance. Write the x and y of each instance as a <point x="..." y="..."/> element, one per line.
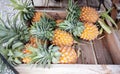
<point x="102" y="53"/>
<point x="87" y="54"/>
<point x="70" y="69"/>
<point x="114" y="46"/>
<point x="50" y="3"/>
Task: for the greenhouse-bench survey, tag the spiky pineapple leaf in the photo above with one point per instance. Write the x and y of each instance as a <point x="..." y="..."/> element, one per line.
<point x="72" y="23"/>
<point x="75" y="28"/>
<point x="43" y="29"/>
<point x="12" y="32"/>
<point x="25" y="9"/>
<point x="44" y="55"/>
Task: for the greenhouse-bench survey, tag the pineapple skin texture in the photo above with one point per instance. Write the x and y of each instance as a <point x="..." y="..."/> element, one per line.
<point x="90" y="32"/>
<point x="89" y="14"/>
<point x="37" y="16"/>
<point x="62" y="38"/>
<point x="68" y="55"/>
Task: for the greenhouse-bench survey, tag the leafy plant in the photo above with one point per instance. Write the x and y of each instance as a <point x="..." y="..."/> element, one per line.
<point x="104" y="16"/>
<point x="13" y="34"/>
<point x="24" y="7"/>
<point x="72" y="23"/>
<point x="44" y="55"/>
<point x="43" y="29"/>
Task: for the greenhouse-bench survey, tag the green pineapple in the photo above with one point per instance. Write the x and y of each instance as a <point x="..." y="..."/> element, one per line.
<point x="72" y="23"/>
<point x="44" y="55"/>
<point x="25" y="9"/>
<point x="13" y="34"/>
<point x="44" y="28"/>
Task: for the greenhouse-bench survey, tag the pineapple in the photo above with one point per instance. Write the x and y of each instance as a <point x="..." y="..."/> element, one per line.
<point x="62" y="38"/>
<point x="68" y="55"/>
<point x="90" y="32"/>
<point x="72" y="23"/>
<point x="43" y="29"/>
<point x="13" y="34"/>
<point x="25" y="9"/>
<point x="37" y="16"/>
<point x="43" y="55"/>
<point x="89" y="14"/>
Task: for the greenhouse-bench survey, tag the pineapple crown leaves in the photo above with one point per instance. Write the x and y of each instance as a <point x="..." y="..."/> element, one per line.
<point x="44" y="55"/>
<point x="25" y="9"/>
<point x="43" y="29"/>
<point x="75" y="28"/>
<point x="72" y="23"/>
<point x="73" y="11"/>
<point x="13" y="56"/>
<point x="13" y="34"/>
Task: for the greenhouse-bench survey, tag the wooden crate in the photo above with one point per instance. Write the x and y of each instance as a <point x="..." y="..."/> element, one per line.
<point x="101" y="56"/>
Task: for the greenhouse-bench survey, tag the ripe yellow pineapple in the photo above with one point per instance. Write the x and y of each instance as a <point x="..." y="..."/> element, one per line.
<point x="68" y="55"/>
<point x="62" y="38"/>
<point x="37" y="16"/>
<point x="89" y="14"/>
<point x="90" y="32"/>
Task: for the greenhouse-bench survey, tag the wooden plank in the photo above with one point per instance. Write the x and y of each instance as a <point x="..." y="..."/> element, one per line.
<point x="56" y="14"/>
<point x="82" y="2"/>
<point x="79" y="60"/>
<point x="114" y="11"/>
<point x="114" y="46"/>
<point x="87" y="54"/>
<point x="93" y="3"/>
<point x="70" y="69"/>
<point x="49" y="3"/>
<point x="102" y="54"/>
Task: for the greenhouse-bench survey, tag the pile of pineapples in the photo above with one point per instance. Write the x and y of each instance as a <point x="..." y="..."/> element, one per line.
<point x="47" y="41"/>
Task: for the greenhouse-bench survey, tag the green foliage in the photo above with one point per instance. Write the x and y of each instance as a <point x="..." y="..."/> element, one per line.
<point x="44" y="55"/>
<point x="13" y="56"/>
<point x="72" y="23"/>
<point x="104" y="16"/>
<point x="43" y="29"/>
<point x="25" y="9"/>
<point x="76" y="28"/>
<point x="104" y="26"/>
<point x="13" y="34"/>
<point x="73" y="11"/>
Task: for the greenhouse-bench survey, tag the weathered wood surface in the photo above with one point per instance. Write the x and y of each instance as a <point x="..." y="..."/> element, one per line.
<point x="70" y="69"/>
<point x="87" y="53"/>
<point x="114" y="11"/>
<point x="113" y="44"/>
<point x="64" y="3"/>
<point x="102" y="53"/>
